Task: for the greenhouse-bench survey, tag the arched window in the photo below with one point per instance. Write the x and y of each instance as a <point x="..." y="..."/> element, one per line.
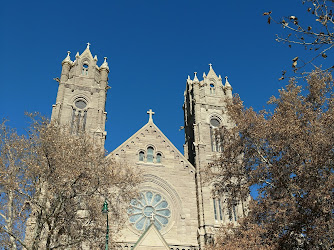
<point x="141" y="156"/>
<point x="79" y="116"/>
<point x="212" y="88"/>
<point x="217" y="209"/>
<point x="232" y="212"/>
<point x="150" y="152"/>
<point x="85" y="69"/>
<point x="215" y="135"/>
<point x="158" y="158"/>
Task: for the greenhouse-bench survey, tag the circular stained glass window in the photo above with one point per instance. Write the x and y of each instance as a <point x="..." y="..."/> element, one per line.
<point x="215" y="122"/>
<point x="149" y="206"/>
<point x="80" y="104"/>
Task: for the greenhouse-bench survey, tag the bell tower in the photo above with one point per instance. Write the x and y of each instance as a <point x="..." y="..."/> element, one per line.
<point x="204" y="113"/>
<point x="81" y="96"/>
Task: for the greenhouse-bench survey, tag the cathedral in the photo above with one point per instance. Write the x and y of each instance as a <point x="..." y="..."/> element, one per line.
<point x="176" y="208"/>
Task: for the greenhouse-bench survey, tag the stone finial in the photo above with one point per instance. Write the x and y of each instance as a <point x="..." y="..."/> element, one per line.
<point x="210" y="64"/>
<point x="227" y="84"/>
<point x="219" y="77"/>
<point x="95" y="58"/>
<point x="150" y="113"/>
<point x="88" y="45"/>
<point x="195" y="78"/>
<point x="228" y="88"/>
<point x="105" y="64"/>
<point x="204" y="75"/>
<point x="77" y="55"/>
<point x="67" y="58"/>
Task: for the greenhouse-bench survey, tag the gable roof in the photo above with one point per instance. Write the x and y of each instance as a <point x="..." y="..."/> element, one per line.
<point x="151" y="238"/>
<point x="212" y="73"/>
<point x="87" y="52"/>
<point x="148" y="128"/>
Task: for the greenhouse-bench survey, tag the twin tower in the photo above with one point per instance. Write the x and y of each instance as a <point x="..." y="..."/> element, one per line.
<point x="192" y="212"/>
<point x="81" y="97"/>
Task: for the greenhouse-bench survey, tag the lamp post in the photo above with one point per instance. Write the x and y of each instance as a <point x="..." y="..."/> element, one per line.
<point x="105" y="211"/>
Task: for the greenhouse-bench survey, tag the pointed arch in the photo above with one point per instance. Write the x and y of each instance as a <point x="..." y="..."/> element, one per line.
<point x="215" y="134"/>
<point x="85" y="66"/>
<point x="79" y="114"/>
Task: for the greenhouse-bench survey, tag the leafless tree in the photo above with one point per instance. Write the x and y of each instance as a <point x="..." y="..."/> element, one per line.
<point x="53" y="185"/>
<point x="316" y="36"/>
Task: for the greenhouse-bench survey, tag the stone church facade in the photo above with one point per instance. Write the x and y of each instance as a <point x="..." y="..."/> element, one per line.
<point x="176" y="209"/>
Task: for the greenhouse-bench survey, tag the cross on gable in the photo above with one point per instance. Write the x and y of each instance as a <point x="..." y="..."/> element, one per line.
<point x="150" y="112"/>
<point x="88" y="44"/>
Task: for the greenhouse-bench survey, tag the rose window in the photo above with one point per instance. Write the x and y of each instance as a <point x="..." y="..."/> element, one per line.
<point x="150" y="206"/>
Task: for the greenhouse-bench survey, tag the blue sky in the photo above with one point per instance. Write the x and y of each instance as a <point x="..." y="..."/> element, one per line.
<point x="152" y="46"/>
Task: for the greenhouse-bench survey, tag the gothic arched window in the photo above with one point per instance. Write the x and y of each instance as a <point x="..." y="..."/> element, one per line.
<point x="232" y="212"/>
<point x="217" y="209"/>
<point x="85" y="69"/>
<point x="141" y="156"/>
<point x="212" y="88"/>
<point x="158" y="159"/>
<point x="215" y="135"/>
<point x="150" y="152"/>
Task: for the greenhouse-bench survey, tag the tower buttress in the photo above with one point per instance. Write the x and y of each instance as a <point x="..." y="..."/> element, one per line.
<point x="81" y="97"/>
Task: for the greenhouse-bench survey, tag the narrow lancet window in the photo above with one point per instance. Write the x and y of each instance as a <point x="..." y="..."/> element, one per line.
<point x="85" y="69"/>
<point x="234" y="212"/>
<point x="220" y="210"/>
<point x="141" y="156"/>
<point x="150" y="151"/>
<point x="215" y="135"/>
<point x="158" y="158"/>
<point x="212" y="89"/>
<point x="215" y="208"/>
<point x="79" y="116"/>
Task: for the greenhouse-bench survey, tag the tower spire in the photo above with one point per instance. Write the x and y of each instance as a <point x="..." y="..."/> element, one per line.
<point x="105" y="64"/>
<point x="67" y="58"/>
<point x="228" y="88"/>
<point x="227" y="84"/>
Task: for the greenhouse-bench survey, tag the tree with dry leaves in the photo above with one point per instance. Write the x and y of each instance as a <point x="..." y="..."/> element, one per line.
<point x="53" y="186"/>
<point x="12" y="169"/>
<point x="316" y="36"/>
<point x="288" y="155"/>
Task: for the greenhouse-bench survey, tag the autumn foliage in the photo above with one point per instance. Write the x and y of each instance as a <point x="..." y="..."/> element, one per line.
<point x="288" y="155"/>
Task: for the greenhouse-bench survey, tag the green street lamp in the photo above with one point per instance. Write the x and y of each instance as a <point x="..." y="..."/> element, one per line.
<point x="105" y="211"/>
